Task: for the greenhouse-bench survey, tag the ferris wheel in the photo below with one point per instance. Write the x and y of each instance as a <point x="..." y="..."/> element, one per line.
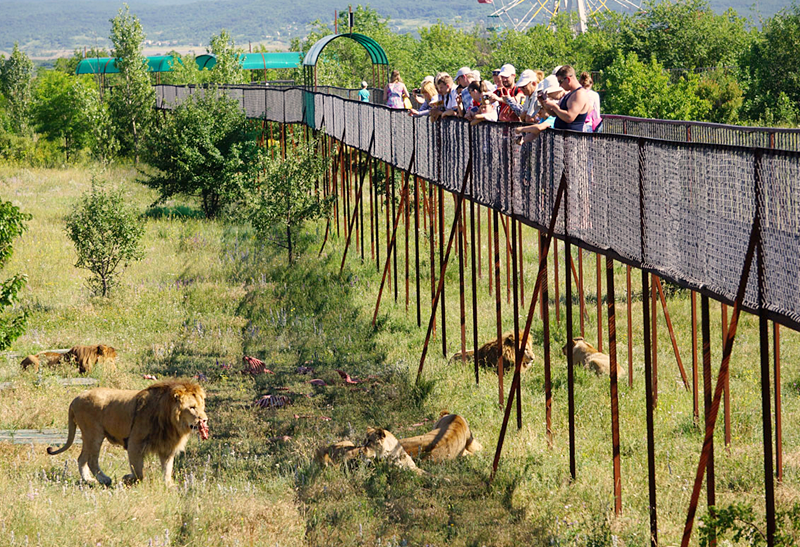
<point x="521" y="14"/>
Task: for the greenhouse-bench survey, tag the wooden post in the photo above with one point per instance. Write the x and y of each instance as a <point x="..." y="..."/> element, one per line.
<point x="612" y="354"/>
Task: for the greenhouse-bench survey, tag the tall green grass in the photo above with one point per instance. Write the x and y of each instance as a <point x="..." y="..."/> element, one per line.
<point x="209" y="292"/>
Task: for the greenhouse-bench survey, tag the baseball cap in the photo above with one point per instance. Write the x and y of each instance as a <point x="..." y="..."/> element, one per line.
<point x="463" y="71"/>
<point x="427" y="79"/>
<point x="526" y="77"/>
<point x="363" y="84"/>
<point x="556" y="69"/>
<point x="508" y="70"/>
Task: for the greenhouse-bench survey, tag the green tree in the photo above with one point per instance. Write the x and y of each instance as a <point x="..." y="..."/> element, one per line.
<point x="207" y="149"/>
<point x="721" y="89"/>
<point x="687" y="34"/>
<point x="107" y="235"/>
<point x="132" y="100"/>
<point x="16" y="79"/>
<point x="644" y="90"/>
<point x="773" y="86"/>
<point x="227" y="70"/>
<point x="12" y="225"/>
<point x="285" y="198"/>
<point x="64" y="109"/>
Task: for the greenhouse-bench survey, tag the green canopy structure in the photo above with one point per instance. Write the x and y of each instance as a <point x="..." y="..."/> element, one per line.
<point x="255" y="61"/>
<point x="108" y="65"/>
<point x="380" y="62"/>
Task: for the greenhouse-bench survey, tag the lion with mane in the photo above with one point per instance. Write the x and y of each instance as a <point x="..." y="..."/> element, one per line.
<point x="157" y="420"/>
<point x="488" y="354"/>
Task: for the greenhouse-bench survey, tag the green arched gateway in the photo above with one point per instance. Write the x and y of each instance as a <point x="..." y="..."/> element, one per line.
<point x="380" y="62"/>
<point x="380" y="66"/>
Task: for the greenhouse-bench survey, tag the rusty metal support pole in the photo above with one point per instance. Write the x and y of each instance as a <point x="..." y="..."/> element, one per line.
<point x="372" y="220"/>
<point x="440" y="288"/>
<point x="462" y="318"/>
<point x="630" y="325"/>
<point x="723" y="372"/>
<point x="580" y="290"/>
<point x="416" y="247"/>
<point x="695" y="376"/>
<point x="361" y="207"/>
<point x="397" y="210"/>
<point x="355" y="209"/>
<point x="544" y="306"/>
<point x="599" y="302"/>
<point x="650" y="405"/>
<point x="612" y="354"/>
<point x="515" y="309"/>
<point x="671" y="332"/>
<point x="432" y="249"/>
<point x="648" y="363"/>
<point x="776" y="341"/>
<point x="555" y="281"/>
<point x="763" y="330"/>
<point x="374" y="174"/>
<point x="386" y="209"/>
<point x="521" y="265"/>
<point x="389" y="249"/>
<point x="480" y="247"/>
<point x="407" y="217"/>
<point x="441" y="268"/>
<point x="498" y="304"/>
<point x="570" y="343"/>
<point x="490" y="255"/>
<point x="654" y="342"/>
<point x="726" y="394"/>
<point x="506" y="222"/>
<point x="475" y="250"/>
<point x="705" y="327"/>
<point x="524" y="340"/>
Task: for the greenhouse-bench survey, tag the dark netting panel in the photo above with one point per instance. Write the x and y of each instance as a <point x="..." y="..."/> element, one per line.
<point x="550" y="169"/>
<point x="613" y="191"/>
<point x="580" y="208"/>
<point x="699" y="206"/>
<point x="402" y="138"/>
<point x="181" y="94"/>
<point x="383" y="134"/>
<point x="236" y="94"/>
<point x="169" y="96"/>
<point x="275" y="105"/>
<point x="338" y="118"/>
<point x="352" y="127"/>
<point x="330" y="122"/>
<point x="293" y="105"/>
<point x="319" y="111"/>
<point x="780" y="213"/>
<point x="255" y="103"/>
<point x="455" y="153"/>
<point x="366" y="127"/>
<point x="425" y="150"/>
<point x="490" y="166"/>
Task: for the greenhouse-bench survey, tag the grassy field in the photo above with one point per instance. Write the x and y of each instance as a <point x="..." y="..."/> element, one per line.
<point x="208" y="293"/>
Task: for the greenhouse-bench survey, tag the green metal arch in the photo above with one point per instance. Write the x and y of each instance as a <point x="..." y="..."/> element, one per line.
<point x="375" y="51"/>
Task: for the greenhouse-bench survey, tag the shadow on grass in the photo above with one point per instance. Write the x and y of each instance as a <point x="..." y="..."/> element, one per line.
<point x="176" y="212"/>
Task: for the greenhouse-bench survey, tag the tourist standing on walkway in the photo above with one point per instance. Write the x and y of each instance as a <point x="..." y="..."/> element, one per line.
<point x="396" y="91"/>
<point x="363" y="94"/>
<point x="571" y="110"/>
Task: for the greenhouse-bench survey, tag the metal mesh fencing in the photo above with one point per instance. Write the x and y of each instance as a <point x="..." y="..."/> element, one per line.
<point x="693" y="203"/>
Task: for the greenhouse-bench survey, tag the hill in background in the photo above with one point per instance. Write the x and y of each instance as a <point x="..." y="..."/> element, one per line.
<point x="50" y="28"/>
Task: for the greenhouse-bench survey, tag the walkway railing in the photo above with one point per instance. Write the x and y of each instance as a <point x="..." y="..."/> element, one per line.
<point x="683" y="210"/>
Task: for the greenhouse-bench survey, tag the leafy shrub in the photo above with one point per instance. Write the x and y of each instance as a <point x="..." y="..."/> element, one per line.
<point x="107" y="234"/>
<point x="207" y="149"/>
<point x="12" y="224"/>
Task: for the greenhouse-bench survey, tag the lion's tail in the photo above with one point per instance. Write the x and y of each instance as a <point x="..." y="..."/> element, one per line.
<point x="70" y="437"/>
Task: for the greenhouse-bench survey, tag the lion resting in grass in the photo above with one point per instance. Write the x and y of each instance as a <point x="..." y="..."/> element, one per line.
<point x="488" y="353"/>
<point x="449" y="439"/>
<point x="385" y="446"/>
<point x="592" y="359"/>
<point x="84" y="357"/>
<point x="341" y="452"/>
<point x="155" y="420"/>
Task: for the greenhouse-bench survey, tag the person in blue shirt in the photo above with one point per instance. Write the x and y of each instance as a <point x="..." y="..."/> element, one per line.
<point x="363" y="94"/>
